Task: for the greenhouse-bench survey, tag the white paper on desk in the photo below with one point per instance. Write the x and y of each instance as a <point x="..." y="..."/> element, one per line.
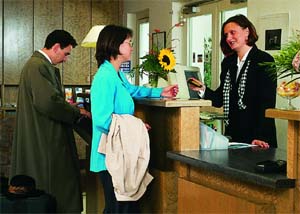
<point x="237" y="145"/>
<point x="211" y="140"/>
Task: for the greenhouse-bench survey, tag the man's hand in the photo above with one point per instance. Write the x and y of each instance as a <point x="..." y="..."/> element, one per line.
<point x="85" y="113"/>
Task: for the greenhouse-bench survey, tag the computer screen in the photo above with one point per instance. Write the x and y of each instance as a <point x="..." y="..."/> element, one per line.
<point x="183" y="73"/>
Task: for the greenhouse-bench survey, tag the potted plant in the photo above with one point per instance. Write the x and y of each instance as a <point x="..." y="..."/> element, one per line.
<point x="286" y="68"/>
<point x="159" y="61"/>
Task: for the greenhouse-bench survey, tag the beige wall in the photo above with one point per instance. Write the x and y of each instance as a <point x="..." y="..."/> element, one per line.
<point x="259" y="8"/>
<point x="159" y="13"/>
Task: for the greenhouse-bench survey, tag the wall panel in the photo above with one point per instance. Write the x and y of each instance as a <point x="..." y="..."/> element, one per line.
<point x="47" y="17"/>
<point x="1" y="42"/>
<point x="77" y="21"/>
<point x="104" y="13"/>
<point x="25" y="25"/>
<point x="18" y="42"/>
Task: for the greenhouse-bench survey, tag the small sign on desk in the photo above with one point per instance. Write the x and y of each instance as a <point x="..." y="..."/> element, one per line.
<point x="125" y="67"/>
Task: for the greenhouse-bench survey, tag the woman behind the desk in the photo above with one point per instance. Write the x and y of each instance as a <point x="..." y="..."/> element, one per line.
<point x="246" y="88"/>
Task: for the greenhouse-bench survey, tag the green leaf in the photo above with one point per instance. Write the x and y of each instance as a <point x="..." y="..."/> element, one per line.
<point x="282" y="67"/>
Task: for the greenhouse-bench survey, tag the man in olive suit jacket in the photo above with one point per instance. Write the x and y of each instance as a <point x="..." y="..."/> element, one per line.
<point x="44" y="146"/>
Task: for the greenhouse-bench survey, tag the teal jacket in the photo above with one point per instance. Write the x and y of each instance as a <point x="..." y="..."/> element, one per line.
<point x="111" y="93"/>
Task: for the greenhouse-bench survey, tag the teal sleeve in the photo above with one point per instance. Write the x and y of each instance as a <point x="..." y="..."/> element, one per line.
<point x="140" y="91"/>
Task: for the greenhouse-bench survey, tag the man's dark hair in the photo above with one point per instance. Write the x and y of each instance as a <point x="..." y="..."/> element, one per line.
<point x="62" y="37"/>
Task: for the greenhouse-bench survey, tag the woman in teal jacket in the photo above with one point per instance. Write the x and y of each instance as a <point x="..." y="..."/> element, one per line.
<point x="111" y="93"/>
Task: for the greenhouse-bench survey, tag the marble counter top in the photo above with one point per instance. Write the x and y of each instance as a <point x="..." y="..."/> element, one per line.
<point x="238" y="164"/>
<point x="167" y="102"/>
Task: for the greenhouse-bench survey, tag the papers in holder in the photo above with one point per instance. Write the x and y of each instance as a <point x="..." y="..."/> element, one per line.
<point x="211" y="140"/>
<point x="211" y="116"/>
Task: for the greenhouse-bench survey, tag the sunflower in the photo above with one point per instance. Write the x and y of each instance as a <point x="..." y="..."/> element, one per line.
<point x="166" y="59"/>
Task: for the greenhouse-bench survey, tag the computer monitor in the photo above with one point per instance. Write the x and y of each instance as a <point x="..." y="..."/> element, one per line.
<point x="183" y="73"/>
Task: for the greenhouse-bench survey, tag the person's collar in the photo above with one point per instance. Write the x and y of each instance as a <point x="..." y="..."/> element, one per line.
<point x="244" y="57"/>
<point x="45" y="55"/>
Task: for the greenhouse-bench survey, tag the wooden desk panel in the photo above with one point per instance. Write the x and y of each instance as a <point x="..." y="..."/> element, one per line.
<point x="175" y="126"/>
<point x="293" y="148"/>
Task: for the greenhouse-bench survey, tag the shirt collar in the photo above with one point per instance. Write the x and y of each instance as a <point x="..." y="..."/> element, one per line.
<point x="244" y="57"/>
<point x="45" y="55"/>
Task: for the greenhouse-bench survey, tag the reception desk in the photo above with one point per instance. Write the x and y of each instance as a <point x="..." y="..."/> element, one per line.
<point x="175" y="127"/>
<point x="225" y="181"/>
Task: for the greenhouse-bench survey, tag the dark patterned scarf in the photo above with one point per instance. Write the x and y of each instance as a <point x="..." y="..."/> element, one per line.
<point x="241" y="91"/>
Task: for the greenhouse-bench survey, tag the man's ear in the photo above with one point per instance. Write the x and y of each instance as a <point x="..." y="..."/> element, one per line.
<point x="56" y="47"/>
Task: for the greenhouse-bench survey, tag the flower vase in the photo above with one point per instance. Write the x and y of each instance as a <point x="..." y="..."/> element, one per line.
<point x="289" y="91"/>
<point x="153" y="80"/>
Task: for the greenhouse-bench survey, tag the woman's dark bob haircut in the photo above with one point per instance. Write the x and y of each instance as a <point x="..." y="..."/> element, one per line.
<point x="109" y="41"/>
<point x="244" y="23"/>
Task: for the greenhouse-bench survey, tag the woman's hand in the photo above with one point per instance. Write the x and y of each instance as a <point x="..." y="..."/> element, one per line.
<point x="148" y="127"/>
<point x="170" y="91"/>
<point x="260" y="143"/>
<point x="195" y="84"/>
